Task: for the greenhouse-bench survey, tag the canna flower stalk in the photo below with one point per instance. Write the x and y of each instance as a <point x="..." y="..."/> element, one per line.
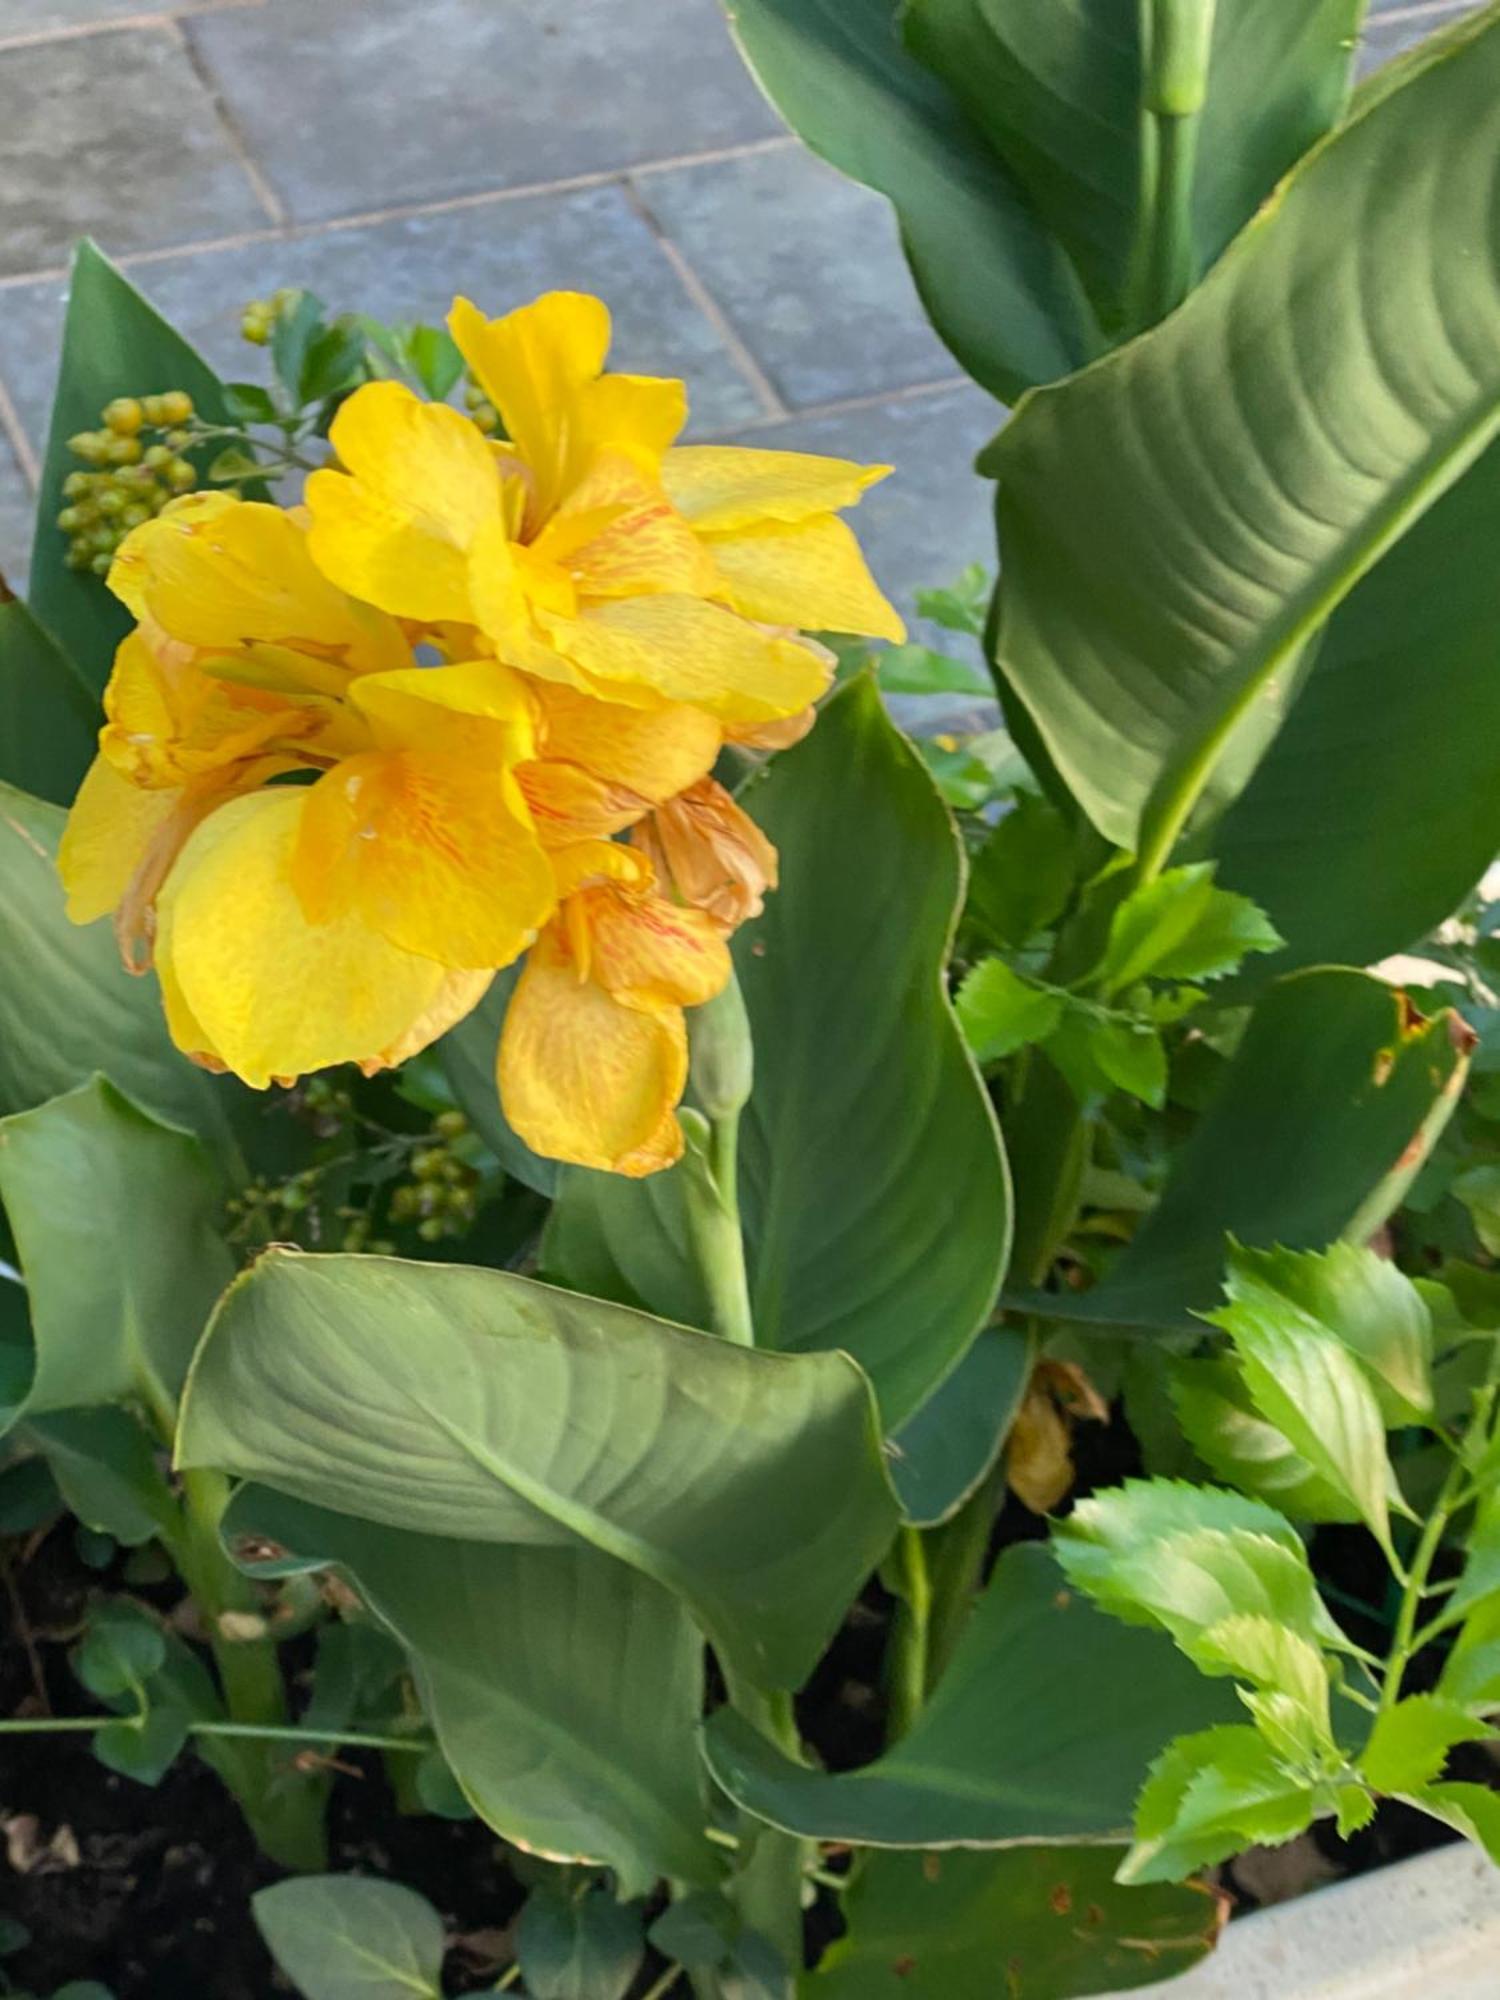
<point x="461" y="706"/>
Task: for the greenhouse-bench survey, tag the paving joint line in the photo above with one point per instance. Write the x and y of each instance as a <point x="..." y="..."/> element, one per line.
<point x="81" y="31"/>
<point x="840" y="406"/>
<point x="298" y="232"/>
<point x="773" y="405"/>
<point x="251" y="167"/>
<point x="1415" y="10"/>
<point x="14" y="432"/>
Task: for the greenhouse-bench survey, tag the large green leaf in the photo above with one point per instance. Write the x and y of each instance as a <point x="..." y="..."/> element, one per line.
<point x="873" y="1182"/>
<point x="488" y="1407"/>
<point x="114" y="1219"/>
<point x="564" y="1689"/>
<point x="999" y="289"/>
<point x="1057" y="92"/>
<point x="940" y="1927"/>
<point x="48" y="715"/>
<point x="67" y="1007"/>
<point x="1330" y="1106"/>
<point x="940" y="1454"/>
<point x="1388" y="767"/>
<point x="114" y="344"/>
<point x="349" y="1937"/>
<point x="1178" y="521"/>
<point x="1039" y="1732"/>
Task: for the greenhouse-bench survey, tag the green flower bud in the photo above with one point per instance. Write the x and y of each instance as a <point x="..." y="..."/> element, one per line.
<point x="122" y="450"/>
<point x="124" y="416"/>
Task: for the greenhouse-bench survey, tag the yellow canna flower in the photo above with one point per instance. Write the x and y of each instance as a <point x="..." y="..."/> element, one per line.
<point x="593" y="1055"/>
<point x="586" y="549"/>
<point x="360" y="754"/>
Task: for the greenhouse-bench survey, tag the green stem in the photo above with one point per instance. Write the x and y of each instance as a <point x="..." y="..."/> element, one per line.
<point x="351" y="1739"/>
<point x="1406" y="1642"/>
<point x="909" y="1655"/>
<point x="1175" y="37"/>
<point x="713" y="1221"/>
<point x="766" y="1887"/>
<point x="663" y="1986"/>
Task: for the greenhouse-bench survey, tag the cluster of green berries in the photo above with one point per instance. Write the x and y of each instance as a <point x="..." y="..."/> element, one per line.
<point x="325" y="1105"/>
<point x="135" y="467"/>
<point x="442" y="1195"/>
<point x="290" y="1211"/>
<point x="480" y="408"/>
<point x="259" y="318"/>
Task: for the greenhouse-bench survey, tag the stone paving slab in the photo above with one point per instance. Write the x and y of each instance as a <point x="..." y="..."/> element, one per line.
<point x="15" y="521"/>
<point x="114" y="125"/>
<point x="499" y="253"/>
<point x="808" y="268"/>
<point x="352" y="105"/>
<point x="1395" y="29"/>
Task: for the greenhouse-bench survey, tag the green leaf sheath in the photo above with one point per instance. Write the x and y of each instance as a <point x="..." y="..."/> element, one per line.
<point x="1180" y="519"/>
<point x="486" y="1407"/>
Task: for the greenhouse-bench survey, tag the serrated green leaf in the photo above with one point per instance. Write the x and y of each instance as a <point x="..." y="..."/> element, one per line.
<point x="1471" y="1672"/>
<point x="1237" y="1444"/>
<point x="1208" y="1796"/>
<point x="1269" y="1655"/>
<point x="476" y="1404"/>
<point x="578" y="1948"/>
<point x="1181" y="927"/>
<point x="1481" y="1577"/>
<point x="1366" y="1302"/>
<point x="1409" y="1744"/>
<point x="1133" y="1057"/>
<point x="353" y="1937"/>
<point x="1306" y="1383"/>
<point x="1472" y="1810"/>
<point x="1000" y="1012"/>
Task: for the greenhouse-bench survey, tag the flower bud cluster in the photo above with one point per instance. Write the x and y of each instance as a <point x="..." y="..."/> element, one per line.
<point x="134" y="467"/>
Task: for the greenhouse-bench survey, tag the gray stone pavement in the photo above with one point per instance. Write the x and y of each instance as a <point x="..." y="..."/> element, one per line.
<point x="389" y="153"/>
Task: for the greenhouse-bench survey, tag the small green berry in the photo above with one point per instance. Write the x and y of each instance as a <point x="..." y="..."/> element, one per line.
<point x="450" y="1124"/>
<point x="123" y="450"/>
<point x="124" y="416"/>
<point x="176" y="407"/>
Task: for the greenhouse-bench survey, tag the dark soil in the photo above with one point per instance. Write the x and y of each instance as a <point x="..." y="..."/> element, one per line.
<point x="148" y="1890"/>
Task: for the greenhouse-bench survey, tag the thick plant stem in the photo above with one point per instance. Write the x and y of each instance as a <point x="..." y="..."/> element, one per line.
<point x="713" y="1221"/>
<point x="908" y="1657"/>
<point x="1175" y="37"/>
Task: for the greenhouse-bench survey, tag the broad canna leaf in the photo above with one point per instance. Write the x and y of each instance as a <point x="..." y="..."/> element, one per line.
<point x="1086" y="1704"/>
<point x="66" y="1003"/>
<point x="564" y="1688"/>
<point x="998" y="287"/>
<point x="1179" y="521"/>
<point x="936" y="1927"/>
<point x="486" y="1407"/>
<point x="115" y="1221"/>
<point x="940" y="1454"/>
<point x="1388" y="767"/>
<point x="1334" y="1099"/>
<point x="872" y="1177"/>
<point x="1057" y="92"/>
<point x="115" y="343"/>
<point x="48" y="714"/>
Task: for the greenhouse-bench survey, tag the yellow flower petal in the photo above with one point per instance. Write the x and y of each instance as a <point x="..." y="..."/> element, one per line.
<point x="723" y="486"/>
<point x="644" y="948"/>
<point x="458" y="996"/>
<point x="225" y="576"/>
<point x="601" y="764"/>
<point x="711" y="853"/>
<point x="541" y="366"/>
<point x="168" y="721"/>
<point x="267" y="992"/>
<point x="632" y="541"/>
<point x="810" y="574"/>
<point x="586" y="1079"/>
<point x="475" y="709"/>
<point x="647" y="650"/>
<point x="438" y="856"/>
<point x="110" y="828"/>
<point x="396" y="526"/>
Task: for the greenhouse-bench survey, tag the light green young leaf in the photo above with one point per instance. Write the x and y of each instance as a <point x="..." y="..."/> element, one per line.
<point x="1133" y="1057"/>
<point x="578" y="1947"/>
<point x="1471" y="1672"/>
<point x="1370" y="1305"/>
<point x="1237" y="1444"/>
<point x="1409" y="1744"/>
<point x="352" y="1937"/>
<point x="1162" y="1552"/>
<point x="1472" y="1810"/>
<point x="1272" y="1656"/>
<point x="1208" y="1796"/>
<point x="1307" y="1383"/>
<point x="1181" y="927"/>
<point x="1000" y="1012"/>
